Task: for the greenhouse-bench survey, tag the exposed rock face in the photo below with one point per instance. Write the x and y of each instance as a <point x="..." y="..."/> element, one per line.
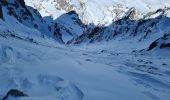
<point x="64" y="5"/>
<point x="132" y="14"/>
<point x="57" y="7"/>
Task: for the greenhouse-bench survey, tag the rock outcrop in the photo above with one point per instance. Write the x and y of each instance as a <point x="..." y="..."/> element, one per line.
<point x="14" y="93"/>
<point x="161" y="43"/>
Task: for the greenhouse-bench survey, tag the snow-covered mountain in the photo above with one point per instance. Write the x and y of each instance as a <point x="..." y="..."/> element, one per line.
<point x="25" y="19"/>
<point x="94" y="11"/>
<point x="121" y="52"/>
<point x="152" y="26"/>
<point x="106" y="15"/>
<point x="69" y="26"/>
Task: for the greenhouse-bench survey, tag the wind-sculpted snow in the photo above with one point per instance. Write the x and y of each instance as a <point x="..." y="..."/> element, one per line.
<point x="37" y="84"/>
<point x="96" y="72"/>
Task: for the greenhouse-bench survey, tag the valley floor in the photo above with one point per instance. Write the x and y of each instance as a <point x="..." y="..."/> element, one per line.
<point x="82" y="73"/>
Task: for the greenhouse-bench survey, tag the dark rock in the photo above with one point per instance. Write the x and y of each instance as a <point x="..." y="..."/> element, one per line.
<point x="72" y="13"/>
<point x="3" y="2"/>
<point x="85" y="54"/>
<point x="164" y="64"/>
<point x="165" y="45"/>
<point x="153" y="45"/>
<point x="21" y="2"/>
<point x="95" y="31"/>
<point x="104" y="51"/>
<point x="162" y="42"/>
<point x="1" y="13"/>
<point x="14" y="93"/>
<point x="88" y="59"/>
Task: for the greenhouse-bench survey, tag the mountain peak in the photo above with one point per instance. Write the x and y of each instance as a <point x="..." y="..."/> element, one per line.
<point x="94" y="11"/>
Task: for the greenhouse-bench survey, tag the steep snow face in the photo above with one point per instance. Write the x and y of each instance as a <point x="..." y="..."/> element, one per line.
<point x="16" y="13"/>
<point x="26" y="19"/>
<point x="16" y="20"/>
<point x="69" y="25"/>
<point x="94" y="11"/>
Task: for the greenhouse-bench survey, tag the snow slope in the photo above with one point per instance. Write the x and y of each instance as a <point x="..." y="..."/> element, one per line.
<point x="33" y="61"/>
<point x="50" y="72"/>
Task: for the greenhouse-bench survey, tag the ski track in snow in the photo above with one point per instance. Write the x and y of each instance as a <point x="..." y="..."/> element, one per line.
<point x="68" y="73"/>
